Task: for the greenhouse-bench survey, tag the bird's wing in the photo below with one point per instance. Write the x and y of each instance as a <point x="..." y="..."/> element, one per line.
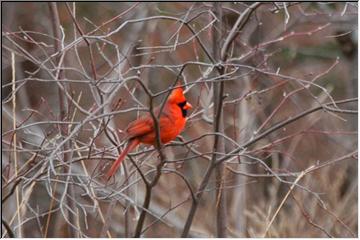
<point x="145" y="125"/>
<point x="140" y="127"/>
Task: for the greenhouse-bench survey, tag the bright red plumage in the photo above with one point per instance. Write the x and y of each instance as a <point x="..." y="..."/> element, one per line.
<point x="171" y="122"/>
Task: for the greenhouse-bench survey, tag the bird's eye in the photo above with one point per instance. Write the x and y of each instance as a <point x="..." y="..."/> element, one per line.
<point x="182" y="104"/>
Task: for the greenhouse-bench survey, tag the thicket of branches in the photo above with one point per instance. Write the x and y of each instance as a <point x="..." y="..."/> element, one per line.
<point x="270" y="147"/>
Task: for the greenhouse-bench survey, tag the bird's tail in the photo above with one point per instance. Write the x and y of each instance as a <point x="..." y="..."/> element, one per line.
<point x="130" y="146"/>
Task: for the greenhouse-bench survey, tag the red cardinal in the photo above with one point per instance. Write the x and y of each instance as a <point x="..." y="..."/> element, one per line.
<point x="171" y="122"/>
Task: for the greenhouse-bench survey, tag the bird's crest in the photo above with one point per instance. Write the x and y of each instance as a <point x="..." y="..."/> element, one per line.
<point x="177" y="94"/>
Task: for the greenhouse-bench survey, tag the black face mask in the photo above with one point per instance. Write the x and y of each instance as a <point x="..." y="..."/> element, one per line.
<point x="182" y="105"/>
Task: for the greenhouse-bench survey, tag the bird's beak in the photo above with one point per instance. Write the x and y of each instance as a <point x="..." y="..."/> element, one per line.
<point x="187" y="106"/>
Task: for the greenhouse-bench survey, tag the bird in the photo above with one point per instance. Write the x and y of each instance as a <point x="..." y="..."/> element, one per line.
<point x="171" y="122"/>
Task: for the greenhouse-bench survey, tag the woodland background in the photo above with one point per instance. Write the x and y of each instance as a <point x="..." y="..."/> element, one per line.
<point x="270" y="147"/>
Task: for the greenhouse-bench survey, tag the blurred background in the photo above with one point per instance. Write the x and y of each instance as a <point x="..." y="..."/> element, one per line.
<point x="70" y="86"/>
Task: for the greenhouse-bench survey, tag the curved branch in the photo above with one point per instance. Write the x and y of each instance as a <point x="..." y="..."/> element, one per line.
<point x="286" y="122"/>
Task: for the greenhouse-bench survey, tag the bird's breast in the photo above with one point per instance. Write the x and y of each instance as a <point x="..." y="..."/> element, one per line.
<point x="170" y="131"/>
<point x="171" y="124"/>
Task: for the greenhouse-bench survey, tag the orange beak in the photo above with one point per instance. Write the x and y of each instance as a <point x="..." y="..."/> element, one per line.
<point x="187" y="106"/>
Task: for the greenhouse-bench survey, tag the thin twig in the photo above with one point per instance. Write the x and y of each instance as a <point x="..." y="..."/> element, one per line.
<point x="17" y="193"/>
<point x="302" y="174"/>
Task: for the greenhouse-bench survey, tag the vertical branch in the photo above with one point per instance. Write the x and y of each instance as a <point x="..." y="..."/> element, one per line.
<point x="91" y="55"/>
<point x="219" y="146"/>
<point x="152" y="184"/>
<point x="55" y="21"/>
<point x="238" y="199"/>
<point x="158" y="145"/>
<point x="146" y="205"/>
<point x="17" y="194"/>
<point x="240" y="23"/>
<point x="195" y="202"/>
<point x="51" y="206"/>
<point x="63" y="105"/>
